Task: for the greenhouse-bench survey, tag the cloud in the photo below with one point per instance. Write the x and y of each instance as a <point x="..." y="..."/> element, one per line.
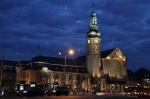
<point x="60" y="25"/>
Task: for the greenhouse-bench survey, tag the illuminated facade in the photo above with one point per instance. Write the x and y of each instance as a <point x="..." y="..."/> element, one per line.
<point x="93" y="62"/>
<point x="113" y="70"/>
<point x="97" y="70"/>
<point x="106" y="69"/>
<point x="48" y="71"/>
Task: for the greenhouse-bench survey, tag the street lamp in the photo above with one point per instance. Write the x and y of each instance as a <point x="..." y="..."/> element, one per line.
<point x="70" y="52"/>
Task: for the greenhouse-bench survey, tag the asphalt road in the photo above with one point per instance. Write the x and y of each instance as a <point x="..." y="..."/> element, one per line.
<point x="89" y="96"/>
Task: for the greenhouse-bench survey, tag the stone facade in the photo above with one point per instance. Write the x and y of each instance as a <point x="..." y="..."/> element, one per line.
<point x="8" y="77"/>
<point x="48" y="78"/>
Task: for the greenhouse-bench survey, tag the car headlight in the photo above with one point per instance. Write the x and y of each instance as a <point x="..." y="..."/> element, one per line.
<point x="24" y="91"/>
<point x="54" y="90"/>
<point x="2" y="92"/>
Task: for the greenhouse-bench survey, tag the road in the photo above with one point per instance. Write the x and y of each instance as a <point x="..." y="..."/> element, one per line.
<point x="89" y="96"/>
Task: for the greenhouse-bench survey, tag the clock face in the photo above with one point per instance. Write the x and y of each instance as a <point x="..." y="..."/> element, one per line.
<point x="88" y="41"/>
<point x="96" y="41"/>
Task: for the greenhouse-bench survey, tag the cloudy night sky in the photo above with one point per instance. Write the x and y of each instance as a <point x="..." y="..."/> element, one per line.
<point x="58" y="25"/>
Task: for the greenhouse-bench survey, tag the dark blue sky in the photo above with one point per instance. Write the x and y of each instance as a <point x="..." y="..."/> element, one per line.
<point x="59" y="25"/>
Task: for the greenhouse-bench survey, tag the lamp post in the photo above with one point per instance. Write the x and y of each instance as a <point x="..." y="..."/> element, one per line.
<point x="1" y="69"/>
<point x="70" y="52"/>
<point x="65" y="64"/>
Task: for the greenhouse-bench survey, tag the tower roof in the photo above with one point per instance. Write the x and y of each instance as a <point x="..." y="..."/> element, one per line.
<point x="93" y="27"/>
<point x="93" y="14"/>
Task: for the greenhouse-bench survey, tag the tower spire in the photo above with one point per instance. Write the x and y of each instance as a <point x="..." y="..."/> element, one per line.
<point x="93" y="25"/>
<point x="93" y="7"/>
<point x="93" y="20"/>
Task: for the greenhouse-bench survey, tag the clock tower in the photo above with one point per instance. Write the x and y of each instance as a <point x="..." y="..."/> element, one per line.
<point x="93" y="62"/>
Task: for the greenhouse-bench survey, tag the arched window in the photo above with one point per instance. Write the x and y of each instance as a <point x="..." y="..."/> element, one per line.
<point x="116" y="68"/>
<point x="43" y="80"/>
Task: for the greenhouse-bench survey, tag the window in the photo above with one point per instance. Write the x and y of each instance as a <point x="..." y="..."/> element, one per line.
<point x="115" y="69"/>
<point x="43" y="80"/>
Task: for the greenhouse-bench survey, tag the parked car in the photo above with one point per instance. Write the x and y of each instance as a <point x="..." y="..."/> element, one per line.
<point x="59" y="90"/>
<point x="49" y="91"/>
<point x="144" y="94"/>
<point x="1" y="91"/>
<point x="32" y="91"/>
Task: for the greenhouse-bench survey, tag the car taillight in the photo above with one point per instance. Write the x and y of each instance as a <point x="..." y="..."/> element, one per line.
<point x="141" y="93"/>
<point x="145" y="93"/>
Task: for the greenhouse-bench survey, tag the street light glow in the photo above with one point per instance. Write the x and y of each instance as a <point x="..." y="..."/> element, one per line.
<point x="71" y="52"/>
<point x="59" y="53"/>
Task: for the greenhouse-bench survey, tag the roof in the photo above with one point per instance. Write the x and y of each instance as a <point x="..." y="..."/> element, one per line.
<point x="13" y="63"/>
<point x="81" y="60"/>
<point x="130" y="72"/>
<point x="105" y="53"/>
<point x="10" y="63"/>
<point x="53" y="60"/>
<point x="56" y="64"/>
<point x="56" y="67"/>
